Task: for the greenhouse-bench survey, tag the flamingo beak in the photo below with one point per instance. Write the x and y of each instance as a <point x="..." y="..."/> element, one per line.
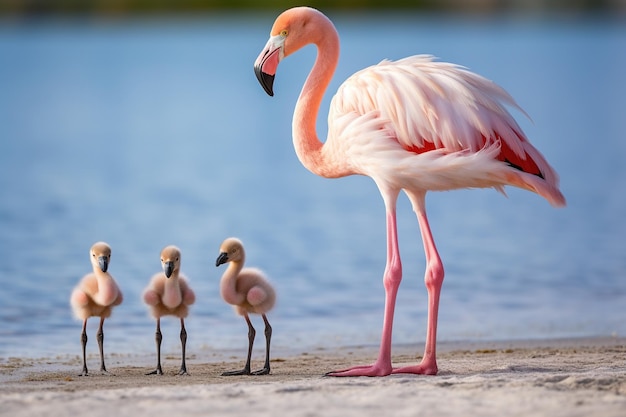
<point x="266" y="80"/>
<point x="221" y="259"/>
<point x="168" y="268"/>
<point x="267" y="62"/>
<point x="103" y="262"/>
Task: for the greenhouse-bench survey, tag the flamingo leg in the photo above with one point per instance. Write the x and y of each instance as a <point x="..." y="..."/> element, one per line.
<point x="391" y="281"/>
<point x="251" y="335"/>
<point x="433" y="279"/>
<point x="183" y="341"/>
<point x="158" y="337"/>
<point x="83" y="340"/>
<point x="100" y="336"/>
<point x="268" y="338"/>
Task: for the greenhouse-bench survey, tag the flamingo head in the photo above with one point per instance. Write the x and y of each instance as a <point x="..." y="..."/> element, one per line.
<point x="100" y="255"/>
<point x="292" y="30"/>
<point x="231" y="250"/>
<point x="170" y="260"/>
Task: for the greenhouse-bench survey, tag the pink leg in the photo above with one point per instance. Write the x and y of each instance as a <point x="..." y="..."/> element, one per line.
<point x="433" y="280"/>
<point x="391" y="281"/>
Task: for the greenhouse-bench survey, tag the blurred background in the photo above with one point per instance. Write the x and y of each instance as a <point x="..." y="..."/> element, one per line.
<point x="141" y="123"/>
<point x="126" y="7"/>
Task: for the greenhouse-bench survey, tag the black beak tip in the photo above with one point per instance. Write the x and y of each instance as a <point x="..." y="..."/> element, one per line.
<point x="169" y="268"/>
<point x="266" y="81"/>
<point x="269" y="88"/>
<point x="104" y="265"/>
<point x="221" y="259"/>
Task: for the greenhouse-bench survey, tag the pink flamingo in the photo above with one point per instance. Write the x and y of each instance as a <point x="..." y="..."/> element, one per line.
<point x="413" y="125"/>
<point x="169" y="294"/>
<point x="95" y="296"/>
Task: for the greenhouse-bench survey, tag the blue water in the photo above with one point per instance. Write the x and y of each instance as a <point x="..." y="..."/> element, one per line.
<point x="151" y="132"/>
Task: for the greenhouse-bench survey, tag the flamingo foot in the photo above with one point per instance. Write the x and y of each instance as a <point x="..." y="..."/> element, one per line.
<point x="376" y="369"/>
<point x="264" y="371"/>
<point x="244" y="371"/>
<point x="426" y="367"/>
<point x="157" y="371"/>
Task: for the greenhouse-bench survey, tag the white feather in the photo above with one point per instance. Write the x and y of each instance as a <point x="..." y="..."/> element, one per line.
<point x="418" y="102"/>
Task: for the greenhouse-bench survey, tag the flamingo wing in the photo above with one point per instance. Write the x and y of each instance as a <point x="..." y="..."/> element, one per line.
<point x="428" y="105"/>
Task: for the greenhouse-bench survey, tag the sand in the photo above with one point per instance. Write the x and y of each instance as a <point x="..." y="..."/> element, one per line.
<point x="574" y="377"/>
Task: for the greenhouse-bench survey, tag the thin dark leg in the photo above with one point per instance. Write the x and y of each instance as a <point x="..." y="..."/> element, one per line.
<point x="268" y="338"/>
<point x="158" y="337"/>
<point x="100" y="337"/>
<point x="83" y="340"/>
<point x="251" y="334"/>
<point x="183" y="341"/>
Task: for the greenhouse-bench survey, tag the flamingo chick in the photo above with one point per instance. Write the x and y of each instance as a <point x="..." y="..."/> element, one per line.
<point x="412" y="125"/>
<point x="169" y="294"/>
<point x="248" y="291"/>
<point x="95" y="296"/>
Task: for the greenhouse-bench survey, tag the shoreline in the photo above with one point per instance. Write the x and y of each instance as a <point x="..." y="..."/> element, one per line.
<point x="555" y="377"/>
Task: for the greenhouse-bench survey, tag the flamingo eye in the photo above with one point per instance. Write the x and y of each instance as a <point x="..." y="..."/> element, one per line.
<point x="284" y="33"/>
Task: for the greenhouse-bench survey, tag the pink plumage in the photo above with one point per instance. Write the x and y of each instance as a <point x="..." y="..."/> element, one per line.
<point x="412" y="125"/>
<point x="249" y="292"/>
<point x="95" y="296"/>
<point x="169" y="294"/>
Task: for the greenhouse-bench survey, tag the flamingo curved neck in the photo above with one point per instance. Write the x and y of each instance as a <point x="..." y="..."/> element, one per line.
<point x="228" y="283"/>
<point x="101" y="276"/>
<point x="173" y="278"/>
<point x="107" y="291"/>
<point x="308" y="147"/>
<point x="172" y="295"/>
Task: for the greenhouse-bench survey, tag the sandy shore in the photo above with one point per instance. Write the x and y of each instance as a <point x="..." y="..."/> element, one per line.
<point x="578" y="377"/>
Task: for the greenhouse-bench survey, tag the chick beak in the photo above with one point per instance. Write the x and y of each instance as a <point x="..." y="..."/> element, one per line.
<point x="221" y="259"/>
<point x="103" y="262"/>
<point x="168" y="268"/>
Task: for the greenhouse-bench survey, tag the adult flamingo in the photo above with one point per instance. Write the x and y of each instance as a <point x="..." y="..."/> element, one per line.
<point x="414" y="125"/>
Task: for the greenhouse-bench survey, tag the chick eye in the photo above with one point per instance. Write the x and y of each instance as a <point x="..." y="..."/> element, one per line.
<point x="284" y="32"/>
